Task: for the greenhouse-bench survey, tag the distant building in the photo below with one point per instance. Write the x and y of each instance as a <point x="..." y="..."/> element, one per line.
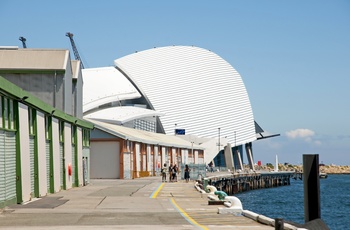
<point x="172" y="88"/>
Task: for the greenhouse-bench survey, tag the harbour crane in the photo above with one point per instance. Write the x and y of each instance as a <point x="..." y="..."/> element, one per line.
<point x="75" y="50"/>
<point x="23" y="40"/>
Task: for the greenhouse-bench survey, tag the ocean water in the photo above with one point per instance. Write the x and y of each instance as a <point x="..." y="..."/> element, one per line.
<point x="287" y="202"/>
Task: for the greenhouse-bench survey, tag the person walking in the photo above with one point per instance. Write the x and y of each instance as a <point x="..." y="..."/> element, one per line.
<point x="170" y="172"/>
<point x="163" y="170"/>
<point x="211" y="165"/>
<point x="187" y="173"/>
<point x="174" y="173"/>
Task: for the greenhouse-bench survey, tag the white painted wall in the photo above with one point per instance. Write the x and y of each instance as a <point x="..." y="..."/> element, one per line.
<point x="149" y="159"/>
<point x="196" y="156"/>
<point x="157" y="163"/>
<point x="164" y="157"/>
<point x="56" y="154"/>
<point x="138" y="158"/>
<point x="156" y="159"/>
<point x="41" y="153"/>
<point x="68" y="152"/>
<point x="186" y="159"/>
<point x="173" y="151"/>
<point x="24" y="150"/>
<point x="80" y="155"/>
<point x="183" y="157"/>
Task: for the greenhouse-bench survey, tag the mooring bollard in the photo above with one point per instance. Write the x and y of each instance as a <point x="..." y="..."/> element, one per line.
<point x="205" y="184"/>
<point x="279" y="224"/>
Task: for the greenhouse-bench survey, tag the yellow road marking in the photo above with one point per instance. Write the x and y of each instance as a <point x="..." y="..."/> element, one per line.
<point x="155" y="193"/>
<point x="187" y="217"/>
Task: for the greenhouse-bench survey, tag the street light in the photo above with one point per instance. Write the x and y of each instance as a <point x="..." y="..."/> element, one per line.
<point x="219" y="140"/>
<point x="192" y="151"/>
<point x="235" y="138"/>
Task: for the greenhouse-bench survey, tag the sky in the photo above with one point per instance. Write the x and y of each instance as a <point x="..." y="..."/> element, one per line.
<point x="293" y="56"/>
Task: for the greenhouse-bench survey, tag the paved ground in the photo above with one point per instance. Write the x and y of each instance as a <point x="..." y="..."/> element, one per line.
<point x="124" y="204"/>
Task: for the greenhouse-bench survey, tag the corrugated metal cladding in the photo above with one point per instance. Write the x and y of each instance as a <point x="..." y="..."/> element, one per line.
<point x="195" y="88"/>
<point x="47" y="148"/>
<point x="7" y="166"/>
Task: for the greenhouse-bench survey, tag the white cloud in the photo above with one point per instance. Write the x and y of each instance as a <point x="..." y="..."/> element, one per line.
<point x="317" y="142"/>
<point x="304" y="134"/>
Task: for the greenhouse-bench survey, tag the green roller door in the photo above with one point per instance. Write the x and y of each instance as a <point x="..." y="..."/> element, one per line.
<point x="32" y="173"/>
<point x="7" y="167"/>
<point x="48" y="165"/>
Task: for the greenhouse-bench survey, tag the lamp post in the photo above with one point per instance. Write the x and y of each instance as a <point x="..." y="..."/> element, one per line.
<point x="235" y="138"/>
<point x="218" y="156"/>
<point x="219" y="140"/>
<point x="192" y="152"/>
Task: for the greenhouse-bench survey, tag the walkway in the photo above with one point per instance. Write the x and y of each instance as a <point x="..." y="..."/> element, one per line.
<point x="143" y="203"/>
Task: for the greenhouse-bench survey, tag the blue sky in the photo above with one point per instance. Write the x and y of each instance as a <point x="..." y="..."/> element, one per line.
<point x="293" y="56"/>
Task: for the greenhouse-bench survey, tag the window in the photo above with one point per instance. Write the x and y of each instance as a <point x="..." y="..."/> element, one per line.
<point x="5" y="109"/>
<point x="61" y="127"/>
<point x="31" y="121"/>
<point x="11" y="115"/>
<point x="73" y="130"/>
<point x="47" y="127"/>
<point x="86" y="137"/>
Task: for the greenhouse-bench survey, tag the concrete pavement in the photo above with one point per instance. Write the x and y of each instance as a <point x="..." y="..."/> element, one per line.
<point x="124" y="204"/>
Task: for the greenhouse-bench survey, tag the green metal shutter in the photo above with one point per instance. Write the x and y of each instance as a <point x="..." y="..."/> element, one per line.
<point x="48" y="165"/>
<point x="2" y="166"/>
<point x="61" y="164"/>
<point x="73" y="165"/>
<point x="10" y="165"/>
<point x="31" y="154"/>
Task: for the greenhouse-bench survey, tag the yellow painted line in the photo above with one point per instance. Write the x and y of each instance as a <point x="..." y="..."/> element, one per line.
<point x="155" y="193"/>
<point x="186" y="216"/>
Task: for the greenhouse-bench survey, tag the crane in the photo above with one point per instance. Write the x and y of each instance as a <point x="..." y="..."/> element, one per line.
<point x="75" y="50"/>
<point x="23" y="40"/>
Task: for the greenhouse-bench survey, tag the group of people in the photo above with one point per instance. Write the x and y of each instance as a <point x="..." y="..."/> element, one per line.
<point x="173" y="170"/>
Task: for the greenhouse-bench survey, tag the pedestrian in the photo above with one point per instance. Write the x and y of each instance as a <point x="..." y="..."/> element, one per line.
<point x="170" y="172"/>
<point x="174" y="173"/>
<point x="211" y="165"/>
<point x="187" y="173"/>
<point x="163" y="170"/>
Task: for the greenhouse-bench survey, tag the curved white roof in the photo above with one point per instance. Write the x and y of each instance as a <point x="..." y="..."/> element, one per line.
<point x="196" y="89"/>
<point x="105" y="85"/>
<point x="121" y="114"/>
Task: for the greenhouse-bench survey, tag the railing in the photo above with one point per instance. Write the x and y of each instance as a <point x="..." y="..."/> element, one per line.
<point x="198" y="171"/>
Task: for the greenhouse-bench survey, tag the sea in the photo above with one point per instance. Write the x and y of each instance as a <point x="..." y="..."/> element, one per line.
<point x="287" y="202"/>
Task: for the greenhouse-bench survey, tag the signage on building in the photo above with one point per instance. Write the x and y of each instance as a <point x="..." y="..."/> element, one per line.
<point x="180" y="132"/>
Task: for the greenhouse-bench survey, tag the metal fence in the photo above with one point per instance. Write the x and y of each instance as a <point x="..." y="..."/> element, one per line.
<point x="198" y="171"/>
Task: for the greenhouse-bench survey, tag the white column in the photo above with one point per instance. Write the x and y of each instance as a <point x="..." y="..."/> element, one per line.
<point x="41" y="132"/>
<point x="239" y="159"/>
<point x="24" y="151"/>
<point x="80" y="155"/>
<point x="56" y="154"/>
<point x="68" y="153"/>
<point x="228" y="156"/>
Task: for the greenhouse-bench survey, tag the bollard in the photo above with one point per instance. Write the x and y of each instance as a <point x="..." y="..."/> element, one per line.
<point x="312" y="208"/>
<point x="279" y="224"/>
<point x="205" y="184"/>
